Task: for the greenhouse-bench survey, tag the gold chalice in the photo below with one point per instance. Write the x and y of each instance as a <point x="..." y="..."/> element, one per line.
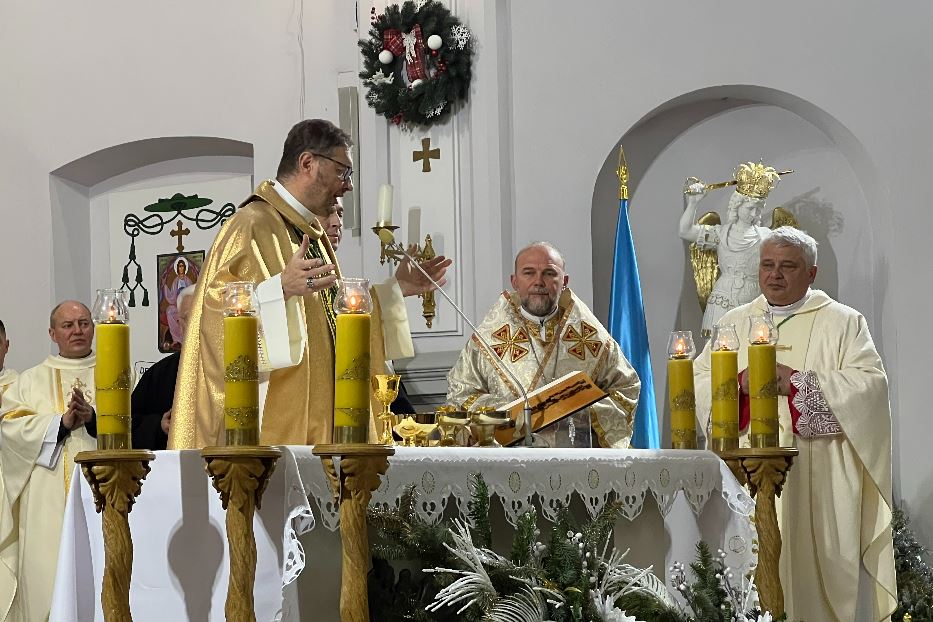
<point x="385" y="389"/>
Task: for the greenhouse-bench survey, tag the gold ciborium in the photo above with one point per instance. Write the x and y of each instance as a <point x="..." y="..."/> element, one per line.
<point x="385" y="389"/>
<point x="483" y="426"/>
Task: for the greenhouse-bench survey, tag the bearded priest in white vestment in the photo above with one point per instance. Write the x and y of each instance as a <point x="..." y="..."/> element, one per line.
<point x="541" y="331"/>
<point x="837" y="562"/>
<point x="42" y="429"/>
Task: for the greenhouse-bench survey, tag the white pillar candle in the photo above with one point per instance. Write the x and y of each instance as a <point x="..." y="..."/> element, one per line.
<point x="414" y="225"/>
<point x="385" y="204"/>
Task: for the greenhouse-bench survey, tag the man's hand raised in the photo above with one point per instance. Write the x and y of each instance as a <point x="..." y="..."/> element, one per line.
<point x="305" y="276"/>
<point x="412" y="282"/>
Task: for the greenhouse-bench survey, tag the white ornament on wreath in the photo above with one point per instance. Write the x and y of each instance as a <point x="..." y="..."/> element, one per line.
<point x="435" y="42"/>
<point x="417" y="83"/>
<point x="386" y="57"/>
<point x="461" y="35"/>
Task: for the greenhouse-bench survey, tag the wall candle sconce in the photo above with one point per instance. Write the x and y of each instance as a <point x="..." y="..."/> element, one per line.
<point x="394" y="252"/>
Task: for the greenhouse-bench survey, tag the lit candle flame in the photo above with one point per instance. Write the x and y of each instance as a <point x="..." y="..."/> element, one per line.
<point x="762" y="335"/>
<point x="680" y="347"/>
<point x="353" y="302"/>
<point x="112" y="313"/>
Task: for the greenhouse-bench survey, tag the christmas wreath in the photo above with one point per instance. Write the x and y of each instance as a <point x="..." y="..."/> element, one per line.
<point x="416" y="63"/>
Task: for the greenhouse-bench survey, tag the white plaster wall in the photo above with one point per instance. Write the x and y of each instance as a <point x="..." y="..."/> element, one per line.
<point x="106" y="73"/>
<point x="578" y="85"/>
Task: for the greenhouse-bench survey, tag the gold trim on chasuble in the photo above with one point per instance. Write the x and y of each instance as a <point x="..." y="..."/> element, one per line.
<point x="60" y="403"/>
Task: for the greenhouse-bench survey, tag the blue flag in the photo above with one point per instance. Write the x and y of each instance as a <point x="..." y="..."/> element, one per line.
<point x="627" y="326"/>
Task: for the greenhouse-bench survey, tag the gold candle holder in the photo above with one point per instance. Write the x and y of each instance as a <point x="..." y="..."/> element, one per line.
<point x="393" y="251"/>
<point x="385" y="389"/>
<point x="241" y="366"/>
<point x="112" y="375"/>
<point x="681" y="396"/>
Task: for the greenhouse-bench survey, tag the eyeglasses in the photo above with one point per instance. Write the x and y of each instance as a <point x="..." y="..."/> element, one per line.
<point x="347" y="172"/>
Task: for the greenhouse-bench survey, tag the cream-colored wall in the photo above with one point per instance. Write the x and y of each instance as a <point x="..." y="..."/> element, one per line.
<point x="556" y="86"/>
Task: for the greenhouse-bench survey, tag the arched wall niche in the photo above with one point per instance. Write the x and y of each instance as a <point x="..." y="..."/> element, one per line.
<point x="834" y="193"/>
<point x="79" y="251"/>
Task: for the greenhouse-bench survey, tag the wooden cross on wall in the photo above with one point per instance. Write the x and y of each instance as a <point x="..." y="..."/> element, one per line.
<point x="426" y="155"/>
<point x="180" y="232"/>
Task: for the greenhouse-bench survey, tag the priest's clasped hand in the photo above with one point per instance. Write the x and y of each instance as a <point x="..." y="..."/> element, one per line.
<point x="79" y="411"/>
<point x="305" y="276"/>
<point x="783" y="379"/>
<point x="412" y="282"/>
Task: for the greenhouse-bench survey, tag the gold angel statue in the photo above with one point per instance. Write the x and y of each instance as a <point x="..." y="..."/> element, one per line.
<point x="725" y="256"/>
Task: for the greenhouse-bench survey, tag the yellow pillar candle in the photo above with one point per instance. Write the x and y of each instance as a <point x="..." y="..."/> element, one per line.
<point x="762" y="389"/>
<point x="112" y="386"/>
<point x="241" y="379"/>
<point x="351" y="376"/>
<point x="683" y="403"/>
<point x="725" y="394"/>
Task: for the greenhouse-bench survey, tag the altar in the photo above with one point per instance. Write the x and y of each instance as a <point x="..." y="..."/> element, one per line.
<point x="670" y="500"/>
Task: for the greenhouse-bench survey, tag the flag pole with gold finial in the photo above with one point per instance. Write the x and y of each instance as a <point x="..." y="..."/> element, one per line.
<point x="627" y="317"/>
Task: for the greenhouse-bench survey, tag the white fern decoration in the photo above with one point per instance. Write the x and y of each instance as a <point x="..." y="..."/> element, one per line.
<point x="474" y="585"/>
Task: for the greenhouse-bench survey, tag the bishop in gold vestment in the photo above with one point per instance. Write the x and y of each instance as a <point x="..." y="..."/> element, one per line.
<point x="259" y="244"/>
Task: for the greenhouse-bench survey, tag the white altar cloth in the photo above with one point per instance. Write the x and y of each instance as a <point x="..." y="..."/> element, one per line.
<point x="180" y="562"/>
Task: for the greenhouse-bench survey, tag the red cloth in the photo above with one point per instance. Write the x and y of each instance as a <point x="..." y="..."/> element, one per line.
<point x="745" y="405"/>
<point x="394" y="41"/>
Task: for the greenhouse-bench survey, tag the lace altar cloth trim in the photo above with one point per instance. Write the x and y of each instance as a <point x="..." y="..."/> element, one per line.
<point x="517" y="476"/>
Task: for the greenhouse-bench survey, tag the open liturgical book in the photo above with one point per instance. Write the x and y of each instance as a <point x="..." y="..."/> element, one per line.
<point x="552" y="402"/>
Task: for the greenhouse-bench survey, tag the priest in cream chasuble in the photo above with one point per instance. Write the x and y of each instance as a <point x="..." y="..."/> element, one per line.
<point x="541" y="332"/>
<point x="837" y="561"/>
<point x="40" y="434"/>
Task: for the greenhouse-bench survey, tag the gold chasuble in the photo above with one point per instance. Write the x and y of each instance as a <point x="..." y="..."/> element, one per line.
<point x="37" y="474"/>
<point x="255" y="245"/>
<point x="571" y="339"/>
<point x="837" y="562"/>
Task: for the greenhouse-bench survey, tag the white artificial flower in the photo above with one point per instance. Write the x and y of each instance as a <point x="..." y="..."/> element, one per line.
<point x="607" y="610"/>
<point x="764" y="617"/>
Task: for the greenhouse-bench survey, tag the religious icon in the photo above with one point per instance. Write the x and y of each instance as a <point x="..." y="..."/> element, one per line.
<point x="176" y="272"/>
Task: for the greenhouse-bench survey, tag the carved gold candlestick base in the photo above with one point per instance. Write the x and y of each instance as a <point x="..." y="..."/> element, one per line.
<point x="240" y="474"/>
<point x="765" y="471"/>
<point x="116" y="478"/>
<point x="360" y="468"/>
